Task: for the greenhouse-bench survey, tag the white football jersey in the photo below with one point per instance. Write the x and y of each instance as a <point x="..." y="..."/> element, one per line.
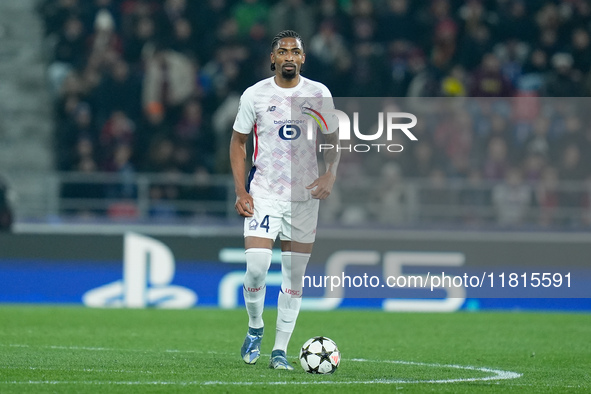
<point x="285" y="123"/>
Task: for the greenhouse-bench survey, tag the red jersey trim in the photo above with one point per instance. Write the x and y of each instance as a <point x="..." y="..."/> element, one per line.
<point x="256" y="142"/>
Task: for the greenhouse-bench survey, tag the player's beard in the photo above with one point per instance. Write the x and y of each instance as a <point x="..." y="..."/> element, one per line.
<point x="289" y="74"/>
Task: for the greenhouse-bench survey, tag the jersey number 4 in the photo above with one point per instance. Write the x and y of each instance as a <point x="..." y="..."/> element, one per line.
<point x="265" y="223"/>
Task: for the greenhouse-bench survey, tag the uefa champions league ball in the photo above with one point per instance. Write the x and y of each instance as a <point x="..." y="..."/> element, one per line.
<point x="320" y="355"/>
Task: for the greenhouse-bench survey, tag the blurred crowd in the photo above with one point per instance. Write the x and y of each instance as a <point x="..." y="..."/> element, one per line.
<point x="153" y="85"/>
<point x="477" y="160"/>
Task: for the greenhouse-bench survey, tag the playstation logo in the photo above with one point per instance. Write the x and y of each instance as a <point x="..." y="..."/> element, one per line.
<point x="148" y="270"/>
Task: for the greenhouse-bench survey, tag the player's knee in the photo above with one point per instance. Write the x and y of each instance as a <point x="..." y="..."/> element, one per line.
<point x="256" y="273"/>
<point x="258" y="262"/>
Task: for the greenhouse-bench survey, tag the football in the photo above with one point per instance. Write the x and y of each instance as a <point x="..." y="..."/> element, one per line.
<point x="320" y="355"/>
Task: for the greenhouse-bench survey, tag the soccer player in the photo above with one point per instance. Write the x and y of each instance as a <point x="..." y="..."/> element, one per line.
<point x="283" y="190"/>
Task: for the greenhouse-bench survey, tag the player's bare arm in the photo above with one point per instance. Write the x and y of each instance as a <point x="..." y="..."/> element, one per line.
<point x="322" y="186"/>
<point x="244" y="202"/>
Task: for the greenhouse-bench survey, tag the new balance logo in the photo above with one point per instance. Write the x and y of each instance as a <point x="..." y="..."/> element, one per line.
<point x="271" y="108"/>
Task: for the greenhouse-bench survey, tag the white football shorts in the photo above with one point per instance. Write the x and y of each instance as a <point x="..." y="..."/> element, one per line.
<point x="291" y="220"/>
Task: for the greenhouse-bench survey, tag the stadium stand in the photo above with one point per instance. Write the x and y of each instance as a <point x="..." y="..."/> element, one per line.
<point x="152" y="86"/>
<point x="25" y="107"/>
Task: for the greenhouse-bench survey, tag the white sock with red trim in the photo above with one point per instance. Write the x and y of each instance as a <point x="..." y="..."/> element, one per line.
<point x="258" y="261"/>
<point x="293" y="268"/>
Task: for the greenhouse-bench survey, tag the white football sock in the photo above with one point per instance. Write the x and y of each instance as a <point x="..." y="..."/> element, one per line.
<point x="258" y="261"/>
<point x="293" y="268"/>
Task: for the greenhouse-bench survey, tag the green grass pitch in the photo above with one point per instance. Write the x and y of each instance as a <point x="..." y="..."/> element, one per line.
<point x="79" y="350"/>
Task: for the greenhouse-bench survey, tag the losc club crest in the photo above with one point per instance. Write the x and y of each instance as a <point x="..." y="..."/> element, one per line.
<point x="253" y="224"/>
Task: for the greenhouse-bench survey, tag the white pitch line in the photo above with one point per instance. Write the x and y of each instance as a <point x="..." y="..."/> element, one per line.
<point x="497" y="373"/>
<point x="61" y="347"/>
<point x="93" y="370"/>
<point x="222" y="383"/>
<point x="102" y="349"/>
<point x="106" y="349"/>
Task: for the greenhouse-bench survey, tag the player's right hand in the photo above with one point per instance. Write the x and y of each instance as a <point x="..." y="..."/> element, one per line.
<point x="244" y="204"/>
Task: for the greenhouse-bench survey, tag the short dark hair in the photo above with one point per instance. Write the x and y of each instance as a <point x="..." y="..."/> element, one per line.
<point x="281" y="35"/>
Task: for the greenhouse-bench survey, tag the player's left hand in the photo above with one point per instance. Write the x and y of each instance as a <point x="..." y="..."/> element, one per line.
<point x="322" y="186"/>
